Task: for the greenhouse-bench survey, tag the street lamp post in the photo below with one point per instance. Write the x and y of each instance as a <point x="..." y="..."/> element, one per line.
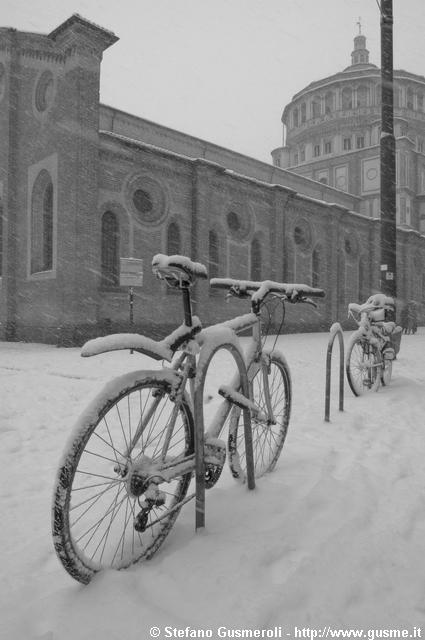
<point x="387" y="146"/>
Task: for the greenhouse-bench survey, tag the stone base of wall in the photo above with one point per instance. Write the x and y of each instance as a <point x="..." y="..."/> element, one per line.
<point x="76" y="336"/>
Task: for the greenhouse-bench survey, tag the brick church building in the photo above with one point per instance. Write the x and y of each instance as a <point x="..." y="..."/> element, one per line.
<point x="84" y="186"/>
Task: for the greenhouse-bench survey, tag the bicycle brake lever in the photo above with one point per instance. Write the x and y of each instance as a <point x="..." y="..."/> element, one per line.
<point x="237" y="292"/>
<point x="304" y="300"/>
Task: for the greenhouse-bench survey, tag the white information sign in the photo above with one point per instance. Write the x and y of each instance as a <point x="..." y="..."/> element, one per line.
<point x="131" y="272"/>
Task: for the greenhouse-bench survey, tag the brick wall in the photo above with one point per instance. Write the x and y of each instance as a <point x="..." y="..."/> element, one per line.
<point x="239" y="199"/>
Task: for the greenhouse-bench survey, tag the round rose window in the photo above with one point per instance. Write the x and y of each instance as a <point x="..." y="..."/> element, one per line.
<point x="44" y="91"/>
<point x="142" y="201"/>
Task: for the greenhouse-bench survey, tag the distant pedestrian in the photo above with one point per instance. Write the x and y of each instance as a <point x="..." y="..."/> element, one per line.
<point x="412" y="317"/>
<point x="404" y="318"/>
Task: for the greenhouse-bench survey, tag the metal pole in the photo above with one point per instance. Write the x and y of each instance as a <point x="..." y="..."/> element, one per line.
<point x="388" y="166"/>
<point x="335" y="330"/>
<point x="131" y="304"/>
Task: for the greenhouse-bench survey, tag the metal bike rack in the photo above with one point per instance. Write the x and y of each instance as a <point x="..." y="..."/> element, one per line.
<point x="199" y="432"/>
<point x="334" y="331"/>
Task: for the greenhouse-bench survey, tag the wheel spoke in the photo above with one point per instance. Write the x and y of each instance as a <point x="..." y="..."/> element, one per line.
<point x="363" y="366"/>
<point x="102" y="524"/>
<point x="93" y="497"/>
<point x="268" y="439"/>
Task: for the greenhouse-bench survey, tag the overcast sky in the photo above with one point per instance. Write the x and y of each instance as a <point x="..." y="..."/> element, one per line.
<point x="223" y="70"/>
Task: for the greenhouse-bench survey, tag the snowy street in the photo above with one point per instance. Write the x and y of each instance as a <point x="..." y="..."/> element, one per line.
<point x="334" y="536"/>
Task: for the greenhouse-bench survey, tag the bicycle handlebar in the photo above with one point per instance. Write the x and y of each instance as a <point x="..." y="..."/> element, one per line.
<point x="259" y="290"/>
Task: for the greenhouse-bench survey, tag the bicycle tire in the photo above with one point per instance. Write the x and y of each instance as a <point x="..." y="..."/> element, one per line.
<point x="386" y="372"/>
<point x="268" y="440"/>
<point x="363" y="365"/>
<point x="94" y="510"/>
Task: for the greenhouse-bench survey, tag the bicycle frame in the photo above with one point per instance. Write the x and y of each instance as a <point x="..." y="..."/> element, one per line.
<point x="371" y="331"/>
<point x="374" y="337"/>
<point x="191" y="366"/>
<point x="188" y="372"/>
<point x="147" y="430"/>
<point x="198" y="347"/>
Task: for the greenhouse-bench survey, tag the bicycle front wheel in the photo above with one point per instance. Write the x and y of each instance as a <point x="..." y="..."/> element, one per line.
<point x="271" y="390"/>
<point x="103" y="514"/>
<point x="363" y="366"/>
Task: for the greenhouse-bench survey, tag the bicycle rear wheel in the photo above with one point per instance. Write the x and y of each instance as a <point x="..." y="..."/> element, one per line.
<point x="270" y="387"/>
<point x="363" y="365"/>
<point x="100" y="517"/>
<point x="387" y="371"/>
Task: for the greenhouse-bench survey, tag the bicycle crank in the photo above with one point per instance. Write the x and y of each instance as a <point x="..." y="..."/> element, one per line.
<point x="215" y="457"/>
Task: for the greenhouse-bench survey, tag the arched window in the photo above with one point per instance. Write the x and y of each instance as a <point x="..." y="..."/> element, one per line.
<point x="255" y="260"/>
<point x="303" y="112"/>
<point x="173" y="239"/>
<point x="341" y="292"/>
<point x="316" y="268"/>
<point x="295" y="118"/>
<point x="213" y="255"/>
<point x="362" y="96"/>
<point x="329" y="102"/>
<point x="420" y="101"/>
<point x="398" y="97"/>
<point x="110" y="250"/>
<point x="315" y="107"/>
<point x="409" y="98"/>
<point x="48" y="228"/>
<point x="42" y="224"/>
<point x="364" y="289"/>
<point x="347" y="98"/>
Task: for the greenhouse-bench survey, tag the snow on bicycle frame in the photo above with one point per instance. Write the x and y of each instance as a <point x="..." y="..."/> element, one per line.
<point x="138" y="444"/>
<point x="375" y="311"/>
<point x="258" y="291"/>
<point x="373" y="345"/>
<point x="179" y="272"/>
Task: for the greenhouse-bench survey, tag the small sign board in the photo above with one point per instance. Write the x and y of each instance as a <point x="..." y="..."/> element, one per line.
<point x="389" y="275"/>
<point x="131" y="272"/>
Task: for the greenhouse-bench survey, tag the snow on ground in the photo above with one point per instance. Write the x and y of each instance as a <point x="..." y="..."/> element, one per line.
<point x="335" y="536"/>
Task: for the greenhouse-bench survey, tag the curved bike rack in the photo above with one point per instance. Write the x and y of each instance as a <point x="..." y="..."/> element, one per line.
<point x="334" y="331"/>
<point x="200" y="429"/>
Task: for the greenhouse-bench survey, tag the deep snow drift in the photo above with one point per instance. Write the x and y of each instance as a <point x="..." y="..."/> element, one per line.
<point x="335" y="536"/>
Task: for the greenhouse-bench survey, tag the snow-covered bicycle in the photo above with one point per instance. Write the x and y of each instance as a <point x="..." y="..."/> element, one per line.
<point x="373" y="346"/>
<point x="127" y="466"/>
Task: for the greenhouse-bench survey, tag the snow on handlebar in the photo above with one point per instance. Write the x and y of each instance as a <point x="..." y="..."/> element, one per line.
<point x="259" y="290"/>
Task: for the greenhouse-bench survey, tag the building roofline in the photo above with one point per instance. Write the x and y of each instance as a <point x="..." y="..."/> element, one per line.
<point x="351" y="74"/>
<point x="138" y="144"/>
<point x="206" y="144"/>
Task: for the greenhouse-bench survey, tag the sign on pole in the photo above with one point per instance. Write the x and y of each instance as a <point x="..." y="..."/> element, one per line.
<point x="131" y="272"/>
<point x="131" y="275"/>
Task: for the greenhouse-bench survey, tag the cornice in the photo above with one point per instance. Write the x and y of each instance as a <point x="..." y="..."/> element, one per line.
<point x="347" y="77"/>
<point x="40" y="54"/>
<point x="77" y="26"/>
